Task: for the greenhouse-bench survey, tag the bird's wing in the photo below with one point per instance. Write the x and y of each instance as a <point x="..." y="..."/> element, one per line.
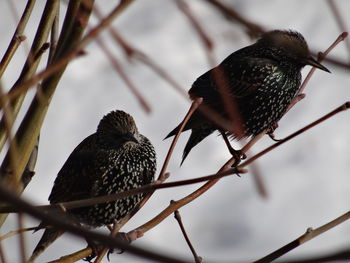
<point x="76" y="177"/>
<point x="128" y="171"/>
<point x="240" y="76"/>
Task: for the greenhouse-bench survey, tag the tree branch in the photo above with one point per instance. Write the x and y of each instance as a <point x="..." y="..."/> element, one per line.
<point x="310" y="234"/>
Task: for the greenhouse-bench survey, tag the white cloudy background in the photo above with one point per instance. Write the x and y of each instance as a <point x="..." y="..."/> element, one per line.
<point x="307" y="179"/>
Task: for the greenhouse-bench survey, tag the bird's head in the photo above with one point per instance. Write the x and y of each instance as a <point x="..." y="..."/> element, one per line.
<point x="289" y="46"/>
<point x="118" y="127"/>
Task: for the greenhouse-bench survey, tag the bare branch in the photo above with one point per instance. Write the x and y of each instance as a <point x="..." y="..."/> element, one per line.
<point x="2" y="255"/>
<point x="310" y="234"/>
<point x="16" y="232"/>
<point x="22" y="243"/>
<point x="253" y="29"/>
<point x="340" y="21"/>
<point x="177" y="216"/>
<point x="114" y="232"/>
<point x="133" y="52"/>
<point x="118" y="67"/>
<point x="321" y="56"/>
<point x="17" y="37"/>
<point x="343" y="256"/>
<point x="74" y="256"/>
<point x="341" y="108"/>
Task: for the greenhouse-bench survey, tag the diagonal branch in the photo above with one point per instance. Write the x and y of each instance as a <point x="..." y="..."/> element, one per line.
<point x="17" y="37"/>
<point x="230" y="13"/>
<point x="133" y="52"/>
<point x="310" y="234"/>
<point x="340" y="20"/>
<point x="321" y="57"/>
<point x="178" y="218"/>
<point x="118" y="67"/>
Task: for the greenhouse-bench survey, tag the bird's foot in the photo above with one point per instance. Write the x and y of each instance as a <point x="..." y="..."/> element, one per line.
<point x="272" y="136"/>
<point x="127" y="238"/>
<point x="238" y="155"/>
<point x="123" y="237"/>
<point x="96" y="249"/>
<point x="271" y="131"/>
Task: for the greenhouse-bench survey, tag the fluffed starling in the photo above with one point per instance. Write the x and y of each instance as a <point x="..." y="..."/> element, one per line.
<point x="260" y="80"/>
<point x="114" y="159"/>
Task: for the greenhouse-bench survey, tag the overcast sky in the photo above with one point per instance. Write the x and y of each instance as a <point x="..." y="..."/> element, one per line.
<point x="307" y="179"/>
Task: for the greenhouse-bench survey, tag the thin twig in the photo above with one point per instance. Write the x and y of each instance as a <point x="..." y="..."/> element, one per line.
<point x="341" y="108"/>
<point x="253" y="29"/>
<point x="258" y="181"/>
<point x="16" y="232"/>
<point x="17" y="37"/>
<point x="339" y="256"/>
<point x="76" y="256"/>
<point x="118" y="67"/>
<point x="114" y="231"/>
<point x="177" y="216"/>
<point x="320" y="58"/>
<point x="335" y="62"/>
<point x="340" y="21"/>
<point x="22" y="243"/>
<point x="310" y="234"/>
<point x="54" y="37"/>
<point x="133" y="52"/>
<point x="184" y="7"/>
<point x="2" y="255"/>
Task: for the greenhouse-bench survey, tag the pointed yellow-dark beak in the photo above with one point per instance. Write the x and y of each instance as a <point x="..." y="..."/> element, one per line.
<point x="313" y="62"/>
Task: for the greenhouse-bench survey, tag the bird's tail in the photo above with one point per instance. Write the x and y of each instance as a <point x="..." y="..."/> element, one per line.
<point x="49" y="236"/>
<point x="192" y="122"/>
<point x="173" y="132"/>
<point x="197" y="135"/>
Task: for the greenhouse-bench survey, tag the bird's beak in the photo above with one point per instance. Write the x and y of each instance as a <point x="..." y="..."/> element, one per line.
<point x="313" y="62"/>
<point x="130" y="137"/>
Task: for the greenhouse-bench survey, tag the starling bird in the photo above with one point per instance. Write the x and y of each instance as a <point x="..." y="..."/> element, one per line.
<point x="261" y="81"/>
<point x="114" y="159"/>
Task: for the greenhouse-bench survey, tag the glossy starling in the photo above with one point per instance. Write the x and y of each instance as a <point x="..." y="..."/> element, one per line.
<point x="115" y="158"/>
<point x="261" y="80"/>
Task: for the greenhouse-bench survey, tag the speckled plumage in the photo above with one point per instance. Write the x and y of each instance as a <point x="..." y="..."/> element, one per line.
<point x="115" y="158"/>
<point x="261" y="79"/>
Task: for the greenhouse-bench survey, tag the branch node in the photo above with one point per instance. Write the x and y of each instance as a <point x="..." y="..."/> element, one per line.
<point x="309" y="230"/>
<point x="21" y="38"/>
